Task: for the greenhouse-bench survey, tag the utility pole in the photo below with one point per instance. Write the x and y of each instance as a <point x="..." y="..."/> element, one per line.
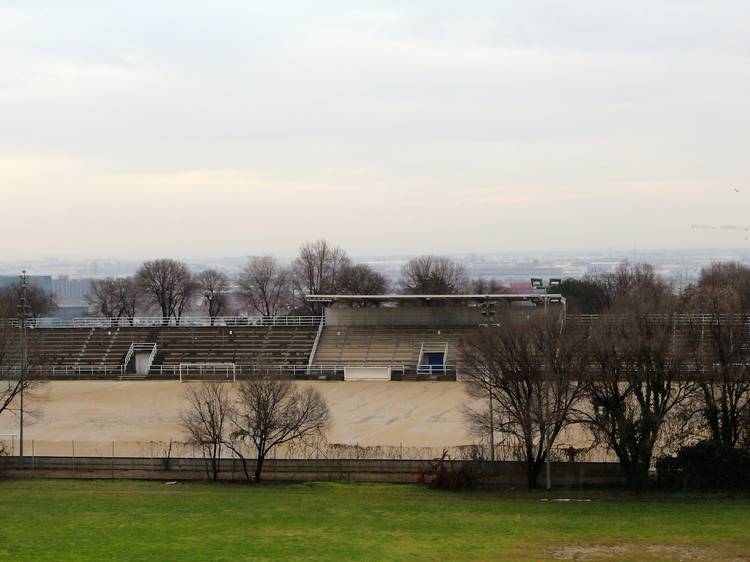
<point x="488" y="311"/>
<point x="23" y="316"/>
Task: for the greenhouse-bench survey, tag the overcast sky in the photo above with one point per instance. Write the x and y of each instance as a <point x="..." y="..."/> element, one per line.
<point x="216" y="128"/>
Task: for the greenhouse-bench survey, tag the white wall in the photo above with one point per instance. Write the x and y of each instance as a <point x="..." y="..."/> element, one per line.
<point x="367" y="374"/>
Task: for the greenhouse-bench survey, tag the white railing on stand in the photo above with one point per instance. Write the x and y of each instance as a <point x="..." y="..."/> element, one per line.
<point x="314" y="349"/>
<point x="77" y="370"/>
<point x="157" y="321"/>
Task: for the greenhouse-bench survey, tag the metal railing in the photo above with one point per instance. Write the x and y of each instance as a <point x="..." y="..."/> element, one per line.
<point x="284" y="371"/>
<point x="316" y="343"/>
<point x="157" y="321"/>
<point x="436" y="370"/>
<point x="275" y="370"/>
<point x="147" y="347"/>
<point x="315" y="321"/>
<point x="679" y="319"/>
<point x="97" y="369"/>
<point x="128" y="356"/>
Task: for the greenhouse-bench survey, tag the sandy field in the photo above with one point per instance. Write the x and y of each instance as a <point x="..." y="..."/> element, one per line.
<point x="418" y="414"/>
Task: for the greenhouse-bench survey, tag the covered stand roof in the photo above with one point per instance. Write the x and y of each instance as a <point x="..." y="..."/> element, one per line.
<point x="529" y="297"/>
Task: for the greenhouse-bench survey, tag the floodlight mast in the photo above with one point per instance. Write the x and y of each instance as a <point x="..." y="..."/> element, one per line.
<point x="538" y="283"/>
<point x="23" y="316"/>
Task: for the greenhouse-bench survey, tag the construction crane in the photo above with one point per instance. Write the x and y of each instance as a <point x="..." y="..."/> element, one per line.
<point x="746" y="228"/>
<point x="721" y="226"/>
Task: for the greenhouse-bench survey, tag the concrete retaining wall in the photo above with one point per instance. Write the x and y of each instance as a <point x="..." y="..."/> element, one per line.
<point x="428" y="316"/>
<point x="299" y="470"/>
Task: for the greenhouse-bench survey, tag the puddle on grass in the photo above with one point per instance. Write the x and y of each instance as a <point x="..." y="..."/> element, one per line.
<point x="564" y="500"/>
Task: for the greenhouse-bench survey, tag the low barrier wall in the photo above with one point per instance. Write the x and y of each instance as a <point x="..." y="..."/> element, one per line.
<point x="505" y="473"/>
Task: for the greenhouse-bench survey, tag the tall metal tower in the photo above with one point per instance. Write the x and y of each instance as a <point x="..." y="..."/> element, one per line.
<point x="24" y="312"/>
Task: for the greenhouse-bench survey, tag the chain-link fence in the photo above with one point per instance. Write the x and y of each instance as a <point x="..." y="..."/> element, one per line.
<point x="318" y="450"/>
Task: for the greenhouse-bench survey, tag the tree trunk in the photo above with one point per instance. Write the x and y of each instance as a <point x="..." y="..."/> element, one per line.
<point x="259" y="466"/>
<point x="636" y="473"/>
<point x="640" y="482"/>
<point x="216" y="453"/>
<point x="533" y="467"/>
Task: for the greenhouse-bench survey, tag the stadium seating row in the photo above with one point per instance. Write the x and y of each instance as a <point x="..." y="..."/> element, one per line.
<point x="384" y="345"/>
<point x="89" y="348"/>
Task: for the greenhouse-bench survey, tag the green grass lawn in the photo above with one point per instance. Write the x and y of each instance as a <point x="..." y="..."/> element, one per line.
<point x="119" y="520"/>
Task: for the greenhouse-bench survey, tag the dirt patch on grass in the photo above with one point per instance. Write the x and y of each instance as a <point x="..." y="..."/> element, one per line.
<point x="650" y="552"/>
<point x="576" y="552"/>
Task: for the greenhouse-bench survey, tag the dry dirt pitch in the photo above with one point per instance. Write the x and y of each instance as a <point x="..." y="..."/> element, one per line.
<point x="425" y="414"/>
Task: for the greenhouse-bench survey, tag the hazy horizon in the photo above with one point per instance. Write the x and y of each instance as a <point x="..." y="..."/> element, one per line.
<point x="632" y="255"/>
<point x="387" y="128"/>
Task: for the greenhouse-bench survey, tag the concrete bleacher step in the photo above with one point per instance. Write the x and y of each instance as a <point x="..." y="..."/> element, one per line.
<point x="131" y="377"/>
<point x="261" y="345"/>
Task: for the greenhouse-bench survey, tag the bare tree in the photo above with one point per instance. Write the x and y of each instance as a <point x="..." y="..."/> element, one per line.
<point x="433" y="275"/>
<point x="529" y="371"/>
<point x="585" y="296"/>
<point x="168" y="285"/>
<point x="272" y="411"/>
<point x="317" y="270"/>
<point x="638" y="381"/>
<point x="206" y="419"/>
<point x="10" y="381"/>
<point x="632" y="285"/>
<point x="482" y="286"/>
<point x="40" y="301"/>
<point x="214" y="286"/>
<point x="731" y="276"/>
<point x="12" y="384"/>
<point x="266" y="285"/>
<point x="598" y="292"/>
<point x="361" y="279"/>
<point x="114" y="298"/>
<point x="719" y="346"/>
<point x="128" y="297"/>
<point x="103" y="298"/>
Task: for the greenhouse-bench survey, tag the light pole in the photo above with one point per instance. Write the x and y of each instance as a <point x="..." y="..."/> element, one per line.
<point x="492" y="427"/>
<point x="538" y="283"/>
<point x="488" y="311"/>
<point x="23" y="316"/>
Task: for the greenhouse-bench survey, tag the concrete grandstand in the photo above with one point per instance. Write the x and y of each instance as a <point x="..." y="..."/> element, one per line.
<point x="359" y="337"/>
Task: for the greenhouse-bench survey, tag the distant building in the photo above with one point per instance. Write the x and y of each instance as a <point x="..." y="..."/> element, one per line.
<point x="42" y="281"/>
<point x="68" y="312"/>
<point x="67" y="289"/>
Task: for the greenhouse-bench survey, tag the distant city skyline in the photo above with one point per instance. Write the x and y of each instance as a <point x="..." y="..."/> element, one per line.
<point x="681" y="266"/>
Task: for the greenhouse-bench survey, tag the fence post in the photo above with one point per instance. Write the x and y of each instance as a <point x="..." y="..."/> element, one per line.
<point x="32" y="455"/>
<point x="73" y="441"/>
<point x="401" y="462"/>
<point x="113" y="460"/>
